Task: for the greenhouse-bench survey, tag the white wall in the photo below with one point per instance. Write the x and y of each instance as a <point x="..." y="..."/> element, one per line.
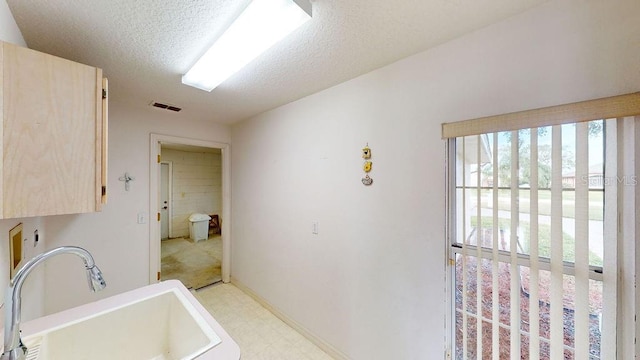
<point x="371" y="283"/>
<point x="33" y="291"/>
<point x="9" y="31"/>
<point x="119" y="244"/>
<point x="197" y="186"/>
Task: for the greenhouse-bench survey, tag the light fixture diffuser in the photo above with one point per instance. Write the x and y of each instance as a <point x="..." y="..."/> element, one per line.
<point x="262" y="24"/>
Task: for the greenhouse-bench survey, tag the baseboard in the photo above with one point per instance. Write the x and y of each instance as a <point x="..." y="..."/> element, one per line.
<point x="326" y="347"/>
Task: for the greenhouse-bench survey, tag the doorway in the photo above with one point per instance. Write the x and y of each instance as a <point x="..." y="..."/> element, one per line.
<point x="192" y="252"/>
<point x="174" y="231"/>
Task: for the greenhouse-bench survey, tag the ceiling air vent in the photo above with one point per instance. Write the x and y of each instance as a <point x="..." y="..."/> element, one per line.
<point x="165" y="106"/>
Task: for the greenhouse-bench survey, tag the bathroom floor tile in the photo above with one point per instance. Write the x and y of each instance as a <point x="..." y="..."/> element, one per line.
<point x="259" y="333"/>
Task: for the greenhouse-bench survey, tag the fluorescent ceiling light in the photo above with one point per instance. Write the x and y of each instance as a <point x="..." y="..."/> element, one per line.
<point x="262" y="24"/>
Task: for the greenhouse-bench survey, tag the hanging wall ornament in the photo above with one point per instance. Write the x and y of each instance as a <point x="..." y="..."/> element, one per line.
<point x="366" y="154"/>
<point x="127" y="179"/>
<point x="367" y="180"/>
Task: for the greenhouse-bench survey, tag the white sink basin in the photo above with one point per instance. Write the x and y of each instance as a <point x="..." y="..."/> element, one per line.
<point x="163" y="322"/>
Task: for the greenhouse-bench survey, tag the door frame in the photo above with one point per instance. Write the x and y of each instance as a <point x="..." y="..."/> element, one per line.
<point x="156" y="140"/>
<point x="169" y="197"/>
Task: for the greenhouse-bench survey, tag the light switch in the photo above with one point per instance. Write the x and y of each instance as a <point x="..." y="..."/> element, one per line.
<point x="142" y="218"/>
<point x="314" y="227"/>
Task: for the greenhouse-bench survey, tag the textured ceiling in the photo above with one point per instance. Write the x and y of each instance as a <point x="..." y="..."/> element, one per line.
<point x="144" y="46"/>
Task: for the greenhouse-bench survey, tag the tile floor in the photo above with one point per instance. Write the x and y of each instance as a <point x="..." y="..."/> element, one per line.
<point x="260" y="335"/>
<point x="196" y="264"/>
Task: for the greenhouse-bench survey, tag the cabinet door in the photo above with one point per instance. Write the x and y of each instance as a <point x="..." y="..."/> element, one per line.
<point x="52" y="135"/>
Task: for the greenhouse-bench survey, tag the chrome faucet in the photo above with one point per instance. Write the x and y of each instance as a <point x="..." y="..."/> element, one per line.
<point x="14" y="349"/>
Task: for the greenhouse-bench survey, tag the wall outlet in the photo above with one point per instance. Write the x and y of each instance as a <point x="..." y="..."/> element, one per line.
<point x="314" y="228"/>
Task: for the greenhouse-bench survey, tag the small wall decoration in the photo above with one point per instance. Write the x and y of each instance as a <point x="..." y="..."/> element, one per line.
<point x="126" y="178"/>
<point x="366" y="154"/>
<point x="367" y="180"/>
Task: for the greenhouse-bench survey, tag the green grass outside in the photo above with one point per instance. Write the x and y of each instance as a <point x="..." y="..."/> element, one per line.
<point x="544" y="239"/>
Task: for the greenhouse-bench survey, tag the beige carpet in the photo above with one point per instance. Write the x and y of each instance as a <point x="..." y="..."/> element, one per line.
<point x="195" y="264"/>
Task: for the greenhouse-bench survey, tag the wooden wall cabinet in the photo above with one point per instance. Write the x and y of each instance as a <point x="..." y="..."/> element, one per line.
<point x="53" y="129"/>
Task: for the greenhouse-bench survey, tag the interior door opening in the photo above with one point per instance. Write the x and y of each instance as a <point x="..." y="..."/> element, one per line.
<point x="192" y="253"/>
<point x="190" y="241"/>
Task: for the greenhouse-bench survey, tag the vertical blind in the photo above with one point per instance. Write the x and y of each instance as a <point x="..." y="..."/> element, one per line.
<point x="533" y="238"/>
<point x="555" y="300"/>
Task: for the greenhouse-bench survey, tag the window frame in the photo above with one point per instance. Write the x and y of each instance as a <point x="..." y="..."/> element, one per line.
<point x="626" y="109"/>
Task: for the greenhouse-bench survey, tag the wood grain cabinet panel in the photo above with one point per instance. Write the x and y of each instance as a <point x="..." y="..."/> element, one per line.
<point x="53" y="135"/>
